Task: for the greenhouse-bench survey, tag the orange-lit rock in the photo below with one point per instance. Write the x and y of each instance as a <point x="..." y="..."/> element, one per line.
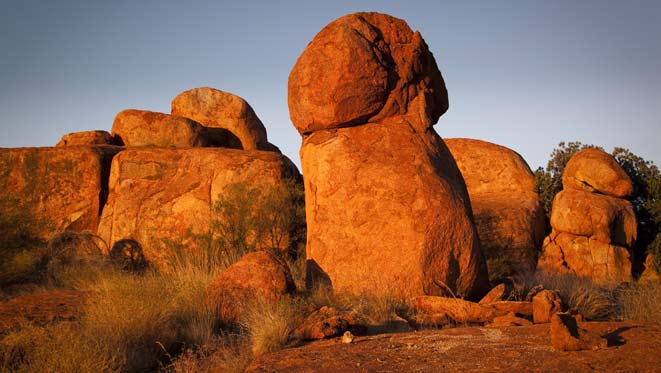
<point x="362" y="68"/>
<point x="258" y="277"/>
<point x="458" y="310"/>
<point x="386" y="207"/>
<point x="508" y="215"/>
<point x="87" y="138"/>
<point x="158" y="194"/>
<point x="594" y="170"/>
<point x="546" y="304"/>
<point x="57" y="188"/>
<point x="585" y="257"/>
<point x="147" y="128"/>
<point x="238" y="125"/>
<point x="600" y="217"/>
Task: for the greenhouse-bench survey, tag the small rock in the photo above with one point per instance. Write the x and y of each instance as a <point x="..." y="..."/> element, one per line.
<point x="327" y="322"/>
<point x="494" y="295"/>
<point x="459" y="310"/>
<point x="565" y="335"/>
<point x="518" y="308"/>
<point x="347" y="337"/>
<point x="545" y="304"/>
<point x="508" y="320"/>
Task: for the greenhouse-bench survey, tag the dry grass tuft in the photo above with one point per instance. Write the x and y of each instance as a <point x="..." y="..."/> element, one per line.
<point x="270" y="324"/>
<point x="227" y="353"/>
<point x="641" y="302"/>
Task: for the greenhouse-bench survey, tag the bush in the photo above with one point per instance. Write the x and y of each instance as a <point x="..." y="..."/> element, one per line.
<point x="270" y="324"/>
<point x="641" y="302"/>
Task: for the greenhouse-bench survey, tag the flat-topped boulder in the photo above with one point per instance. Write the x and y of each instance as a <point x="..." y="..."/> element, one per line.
<point x="386" y="207"/>
<point x="594" y="170"/>
<point x="507" y="211"/>
<point x="97" y="137"/>
<point x="134" y="128"/>
<point x="161" y="194"/>
<point x="62" y="188"/>
<point x="230" y="120"/>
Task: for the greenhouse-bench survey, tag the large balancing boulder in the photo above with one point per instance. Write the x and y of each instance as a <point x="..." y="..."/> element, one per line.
<point x="387" y="209"/>
<point x="135" y="128"/>
<point x="596" y="171"/>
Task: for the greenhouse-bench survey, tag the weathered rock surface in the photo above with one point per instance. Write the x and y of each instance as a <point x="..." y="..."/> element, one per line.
<point x="592" y="228"/>
<point x="328" y="322"/>
<point x="216" y="109"/>
<point x="519" y="308"/>
<point x="147" y="128"/>
<point x="650" y="273"/>
<point x="258" y="277"/>
<point x="508" y="215"/>
<point x="365" y="67"/>
<point x="508" y="320"/>
<point x="546" y="304"/>
<point x="634" y="347"/>
<point x="387" y="210"/>
<point x="498" y="293"/>
<point x="585" y="257"/>
<point x="600" y="217"/>
<point x="594" y="170"/>
<point x="566" y="336"/>
<point x="456" y="309"/>
<point x="158" y="194"/>
<point x="87" y="138"/>
<point x="56" y="188"/>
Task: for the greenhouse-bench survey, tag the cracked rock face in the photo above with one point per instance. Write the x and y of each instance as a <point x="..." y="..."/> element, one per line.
<point x="158" y="194"/>
<point x="593" y="229"/>
<point x="386" y="207"/>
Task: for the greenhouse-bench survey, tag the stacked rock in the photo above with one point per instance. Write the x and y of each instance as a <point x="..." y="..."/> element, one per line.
<point x="593" y="225"/>
<point x="154" y="178"/>
<point x="508" y="214"/>
<point x="386" y="206"/>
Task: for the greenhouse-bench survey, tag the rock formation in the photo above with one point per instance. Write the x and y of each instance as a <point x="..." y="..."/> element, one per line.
<point x="147" y="128"/>
<point x="592" y="232"/>
<point x="387" y="209"/>
<point x="87" y="138"/>
<point x="229" y="119"/>
<point x="508" y="215"/>
<point x="158" y="194"/>
<point x="258" y="277"/>
<point x="56" y="189"/>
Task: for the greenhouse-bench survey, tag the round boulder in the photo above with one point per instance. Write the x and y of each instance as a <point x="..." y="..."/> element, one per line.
<point x="594" y="170"/>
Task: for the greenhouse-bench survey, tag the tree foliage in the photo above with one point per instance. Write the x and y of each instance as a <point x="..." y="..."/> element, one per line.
<point x="646" y="196"/>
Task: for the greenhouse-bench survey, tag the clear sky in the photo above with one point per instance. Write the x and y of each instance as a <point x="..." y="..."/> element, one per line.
<point x="524" y="74"/>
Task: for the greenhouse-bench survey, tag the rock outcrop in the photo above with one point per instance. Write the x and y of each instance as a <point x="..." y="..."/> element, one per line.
<point x="567" y="336"/>
<point x="387" y="209"/>
<point x="546" y="304"/>
<point x="56" y="189"/>
<point x="161" y="194"/>
<point x="229" y="119"/>
<point x="258" y="277"/>
<point x="508" y="214"/>
<point x="593" y="229"/>
<point x="594" y="170"/>
<point x="135" y="128"/>
<point x="87" y="138"/>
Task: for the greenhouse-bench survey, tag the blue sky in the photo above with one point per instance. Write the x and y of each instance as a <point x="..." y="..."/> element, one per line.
<point x="524" y="74"/>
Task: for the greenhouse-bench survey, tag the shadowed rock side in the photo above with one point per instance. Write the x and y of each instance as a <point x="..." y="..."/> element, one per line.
<point x="158" y="194"/>
<point x="592" y="232"/>
<point x="387" y="210"/>
<point x="508" y="215"/>
<point x="216" y="109"/>
<point x="58" y="188"/>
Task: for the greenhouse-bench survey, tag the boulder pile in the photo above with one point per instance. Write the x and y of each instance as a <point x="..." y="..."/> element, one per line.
<point x="507" y="211"/>
<point x="154" y="178"/>
<point x="593" y="226"/>
<point x="387" y="209"/>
